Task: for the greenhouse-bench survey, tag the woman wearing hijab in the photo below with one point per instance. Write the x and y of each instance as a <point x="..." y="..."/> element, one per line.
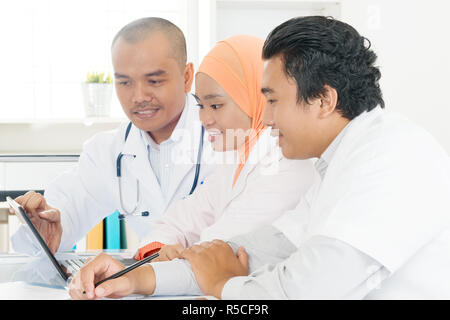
<point x="238" y="198"/>
<point x="259" y="185"/>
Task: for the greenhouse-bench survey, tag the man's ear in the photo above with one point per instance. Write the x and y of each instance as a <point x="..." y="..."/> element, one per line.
<point x="188" y="77"/>
<point x="328" y="100"/>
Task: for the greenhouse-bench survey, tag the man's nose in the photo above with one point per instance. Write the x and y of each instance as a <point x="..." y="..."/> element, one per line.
<point x="141" y="94"/>
<point x="268" y="117"/>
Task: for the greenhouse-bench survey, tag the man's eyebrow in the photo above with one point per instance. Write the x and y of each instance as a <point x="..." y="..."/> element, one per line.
<point x="155" y="73"/>
<point x="118" y="75"/>
<point x="267" y="90"/>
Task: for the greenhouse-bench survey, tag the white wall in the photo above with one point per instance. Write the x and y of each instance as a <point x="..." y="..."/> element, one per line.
<point x="411" y="38"/>
<point x="50" y="137"/>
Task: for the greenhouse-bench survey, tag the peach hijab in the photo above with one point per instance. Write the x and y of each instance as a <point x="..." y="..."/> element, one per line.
<point x="236" y="65"/>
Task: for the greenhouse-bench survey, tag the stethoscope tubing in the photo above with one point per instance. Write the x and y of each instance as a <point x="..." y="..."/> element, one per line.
<point x="119" y="175"/>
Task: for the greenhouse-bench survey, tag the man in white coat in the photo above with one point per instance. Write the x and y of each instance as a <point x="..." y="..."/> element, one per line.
<point x="143" y="166"/>
<point x="376" y="224"/>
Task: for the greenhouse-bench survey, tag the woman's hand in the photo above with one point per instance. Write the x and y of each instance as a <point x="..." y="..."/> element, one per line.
<point x="169" y="252"/>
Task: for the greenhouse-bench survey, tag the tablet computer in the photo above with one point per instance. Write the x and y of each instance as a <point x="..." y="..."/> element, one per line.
<point x="23" y="217"/>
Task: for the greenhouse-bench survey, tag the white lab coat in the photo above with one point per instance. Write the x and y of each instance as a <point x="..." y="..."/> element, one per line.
<point x="386" y="193"/>
<point x="89" y="192"/>
<point x="267" y="186"/>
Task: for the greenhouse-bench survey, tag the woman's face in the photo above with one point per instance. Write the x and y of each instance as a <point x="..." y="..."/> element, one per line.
<point x="227" y="125"/>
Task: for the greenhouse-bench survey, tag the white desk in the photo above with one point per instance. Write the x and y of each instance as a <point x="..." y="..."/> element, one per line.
<point x="21" y="290"/>
<point x="35" y="278"/>
<point x="10" y="263"/>
<point x="12" y="288"/>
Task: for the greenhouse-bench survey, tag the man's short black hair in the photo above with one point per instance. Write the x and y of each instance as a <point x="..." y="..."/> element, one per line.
<point x="320" y="51"/>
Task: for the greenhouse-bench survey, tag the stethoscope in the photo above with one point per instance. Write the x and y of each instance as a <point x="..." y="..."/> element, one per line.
<point x="119" y="176"/>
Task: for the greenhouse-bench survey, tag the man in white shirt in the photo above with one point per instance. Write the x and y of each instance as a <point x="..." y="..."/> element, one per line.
<point x="376" y="225"/>
<point x="143" y="166"/>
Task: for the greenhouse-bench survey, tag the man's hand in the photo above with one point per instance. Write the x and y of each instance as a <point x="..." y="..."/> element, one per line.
<point x="169" y="252"/>
<point x="140" y="280"/>
<point x="45" y="218"/>
<point x="214" y="263"/>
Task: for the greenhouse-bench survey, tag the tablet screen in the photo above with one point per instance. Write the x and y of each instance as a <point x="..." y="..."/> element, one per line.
<point x="23" y="217"/>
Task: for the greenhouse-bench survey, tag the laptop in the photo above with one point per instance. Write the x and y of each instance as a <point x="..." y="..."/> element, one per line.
<point x="67" y="267"/>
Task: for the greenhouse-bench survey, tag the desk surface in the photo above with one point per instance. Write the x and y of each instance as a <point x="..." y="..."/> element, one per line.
<point x="24" y="277"/>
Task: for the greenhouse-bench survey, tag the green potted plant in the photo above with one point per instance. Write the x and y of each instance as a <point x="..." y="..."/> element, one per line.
<point x="97" y="93"/>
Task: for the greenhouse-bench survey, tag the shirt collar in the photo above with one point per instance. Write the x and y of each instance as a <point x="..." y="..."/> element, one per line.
<point x="322" y="163"/>
<point x="325" y="159"/>
<point x="150" y="143"/>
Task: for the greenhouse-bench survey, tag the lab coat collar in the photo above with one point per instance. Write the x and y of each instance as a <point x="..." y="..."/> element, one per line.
<point x="150" y="142"/>
<point x="139" y="165"/>
<point x="333" y="153"/>
<point x="406" y="224"/>
<point x="265" y="149"/>
<point x="187" y="143"/>
<point x="186" y="138"/>
<point x="138" y="138"/>
<point x="322" y="163"/>
<point x="295" y="224"/>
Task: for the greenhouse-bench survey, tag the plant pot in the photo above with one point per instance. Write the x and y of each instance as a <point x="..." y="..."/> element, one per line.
<point x="97" y="99"/>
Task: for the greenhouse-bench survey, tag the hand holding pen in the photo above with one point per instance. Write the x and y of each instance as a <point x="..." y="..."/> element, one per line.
<point x="116" y="282"/>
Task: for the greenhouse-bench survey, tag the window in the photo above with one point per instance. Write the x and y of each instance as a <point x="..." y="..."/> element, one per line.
<point x="48" y="46"/>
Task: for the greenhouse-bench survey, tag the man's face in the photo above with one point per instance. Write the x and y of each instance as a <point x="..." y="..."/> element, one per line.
<point x="149" y="82"/>
<point x="296" y="122"/>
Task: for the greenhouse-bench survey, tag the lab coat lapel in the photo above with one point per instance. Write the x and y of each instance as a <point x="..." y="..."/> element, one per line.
<point x="322" y="196"/>
<point x="259" y="152"/>
<point x="241" y="181"/>
<point x="327" y="196"/>
<point x="185" y="151"/>
<point x="390" y="192"/>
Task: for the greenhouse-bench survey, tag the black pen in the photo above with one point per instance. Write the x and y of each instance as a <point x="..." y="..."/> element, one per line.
<point x="128" y="269"/>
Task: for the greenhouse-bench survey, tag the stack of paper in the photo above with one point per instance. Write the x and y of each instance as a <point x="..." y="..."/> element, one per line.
<point x="131" y="238"/>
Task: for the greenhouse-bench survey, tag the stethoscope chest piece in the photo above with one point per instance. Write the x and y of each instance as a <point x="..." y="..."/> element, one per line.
<point x="142" y="214"/>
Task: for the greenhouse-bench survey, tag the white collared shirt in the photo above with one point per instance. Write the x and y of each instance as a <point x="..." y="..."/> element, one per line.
<point x="160" y="155"/>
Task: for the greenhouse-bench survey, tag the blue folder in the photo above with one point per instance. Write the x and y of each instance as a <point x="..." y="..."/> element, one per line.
<point x="112" y="231"/>
<point x="123" y="235"/>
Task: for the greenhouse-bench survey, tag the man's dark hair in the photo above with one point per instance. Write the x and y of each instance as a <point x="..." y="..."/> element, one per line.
<point x="320" y="51"/>
<point x="140" y="29"/>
